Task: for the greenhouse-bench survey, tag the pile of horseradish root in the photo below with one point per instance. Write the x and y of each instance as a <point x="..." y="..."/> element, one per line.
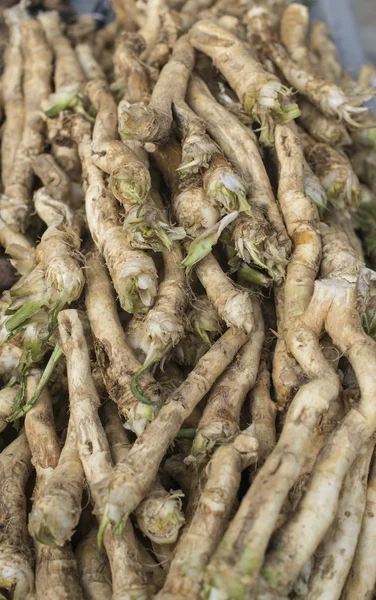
<point x="187" y="358"/>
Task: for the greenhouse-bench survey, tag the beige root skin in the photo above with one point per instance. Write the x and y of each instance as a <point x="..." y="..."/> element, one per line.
<point x="94" y="452"/>
<point x="16" y="573"/>
<point x="10" y="353"/>
<point x="192" y="208"/>
<point x="55" y="514"/>
<point x="163" y="554"/>
<point x="263" y="413"/>
<point x="168" y="35"/>
<point x="84" y="403"/>
<point x="40" y="431"/>
<point x="327" y="96"/>
<point x="125" y="11"/>
<point x="153" y="123"/>
<point x="63" y="147"/>
<point x="120" y="446"/>
<point x="335" y="173"/>
<point x="150" y="29"/>
<point x="132" y="271"/>
<point x="312" y="185"/>
<point x="293" y="31"/>
<point x="55" y="181"/>
<point x="130" y="180"/>
<point x="82" y="29"/>
<point x="68" y="74"/>
<point x="320" y="502"/>
<point x="208" y="524"/>
<point x="239" y="145"/>
<point x="130" y="69"/>
<point x="362" y="576"/>
<point x="344" y="222"/>
<point x="12" y="97"/>
<point x="321" y="44"/>
<point x="58" y="250"/>
<point x="164" y="325"/>
<point x="261" y="93"/>
<point x="220" y="419"/>
<point x="15" y="206"/>
<point x="323" y="429"/>
<point x="232" y="304"/>
<point x="117" y="436"/>
<point x="301" y="218"/>
<point x="228" y="17"/>
<point x="320" y="127"/>
<point x="190" y="10"/>
<point x="116" y="359"/>
<point x="159" y="516"/>
<point x="69" y="79"/>
<point x="93" y="571"/>
<point x="20" y="250"/>
<point x="337" y="550"/>
<point x="134" y="477"/>
<point x="56" y="574"/>
<point x="89" y="65"/>
<point x="7" y="397"/>
<point x="364" y="165"/>
<point x="58" y="268"/>
<point x="237" y="562"/>
<point x="56" y="571"/>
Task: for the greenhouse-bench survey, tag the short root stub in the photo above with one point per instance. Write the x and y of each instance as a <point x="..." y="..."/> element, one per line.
<point x="214" y="434"/>
<point x="148" y="229"/>
<point x="197" y="152"/>
<point x="160" y="516"/>
<point x="139" y="122"/>
<point x="138" y="283"/>
<point x="223" y="185"/>
<point x="130" y="183"/>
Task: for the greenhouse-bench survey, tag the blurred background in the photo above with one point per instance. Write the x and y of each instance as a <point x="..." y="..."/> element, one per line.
<point x="352" y="23"/>
<point x="365" y="14"/>
<point x="337" y="13"/>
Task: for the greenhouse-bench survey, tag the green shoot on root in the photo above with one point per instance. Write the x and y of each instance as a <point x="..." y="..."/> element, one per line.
<point x="136" y="390"/>
<point x="153" y="236"/>
<point x="27" y="310"/>
<point x="203" y="334"/>
<point x="73" y="101"/>
<point x="202" y="245"/>
<point x="248" y="275"/>
<point x="186" y="432"/>
<point x="290" y="111"/>
<point x="105" y="522"/>
<point x="21" y="412"/>
<point x="200" y="160"/>
<point x="119" y="528"/>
